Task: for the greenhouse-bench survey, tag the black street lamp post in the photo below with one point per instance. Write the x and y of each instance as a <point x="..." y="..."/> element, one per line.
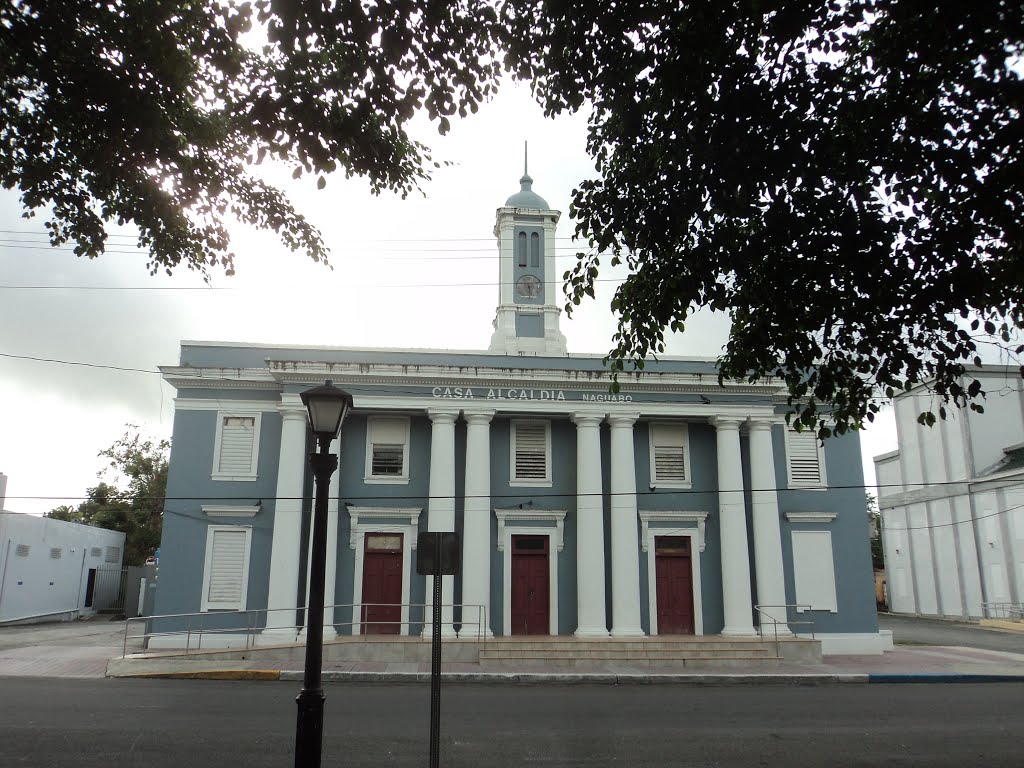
<point x="327" y="406"/>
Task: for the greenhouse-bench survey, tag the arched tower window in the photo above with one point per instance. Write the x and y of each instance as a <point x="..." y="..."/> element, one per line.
<point x="522" y="249"/>
<point x="535" y="250"/>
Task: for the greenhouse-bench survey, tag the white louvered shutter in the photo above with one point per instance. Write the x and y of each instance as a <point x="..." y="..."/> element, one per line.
<point x="236" y="444"/>
<point x="669" y="453"/>
<point x="531" y="451"/>
<point x="804" y="464"/>
<point x="226" y="577"/>
<point x="387" y="440"/>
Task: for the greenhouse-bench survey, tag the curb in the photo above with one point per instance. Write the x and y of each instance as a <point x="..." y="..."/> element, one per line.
<point x="556" y="678"/>
<point x="942" y="677"/>
<point x="211" y="674"/>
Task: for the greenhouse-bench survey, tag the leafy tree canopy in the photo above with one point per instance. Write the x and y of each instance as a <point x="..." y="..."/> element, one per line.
<point x="843" y="178"/>
<point x="151" y="111"/>
<point x="133" y="502"/>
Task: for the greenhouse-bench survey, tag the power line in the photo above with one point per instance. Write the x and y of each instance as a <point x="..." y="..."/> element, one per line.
<point x="348" y="498"/>
<point x="73" y="362"/>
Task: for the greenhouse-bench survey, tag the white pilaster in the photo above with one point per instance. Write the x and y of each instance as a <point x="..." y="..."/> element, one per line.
<point x="286" y="542"/>
<point x="441" y="508"/>
<point x="476" y="524"/>
<point x="771" y="584"/>
<point x="625" y="560"/>
<point x="732" y="526"/>
<point x="331" y="573"/>
<point x="590" y="574"/>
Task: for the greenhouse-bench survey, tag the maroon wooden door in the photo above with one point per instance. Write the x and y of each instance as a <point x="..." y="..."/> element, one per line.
<point x="674" y="583"/>
<point x="382" y="584"/>
<point x="530" y="586"/>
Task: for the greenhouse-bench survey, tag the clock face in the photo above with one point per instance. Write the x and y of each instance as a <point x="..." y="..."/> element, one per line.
<point x="528" y="287"/>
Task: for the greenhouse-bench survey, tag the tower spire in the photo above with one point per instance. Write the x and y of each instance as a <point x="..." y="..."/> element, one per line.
<point x="526" y="165"/>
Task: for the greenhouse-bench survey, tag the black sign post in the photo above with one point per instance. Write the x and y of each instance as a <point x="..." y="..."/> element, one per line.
<point x="437" y="555"/>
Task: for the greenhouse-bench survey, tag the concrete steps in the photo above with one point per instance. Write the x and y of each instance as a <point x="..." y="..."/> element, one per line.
<point x="655" y="652"/>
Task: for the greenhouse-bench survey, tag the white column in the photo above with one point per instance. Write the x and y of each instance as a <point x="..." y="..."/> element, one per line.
<point x="625" y="545"/>
<point x="441" y="509"/>
<point x="476" y="524"/>
<point x="331" y="574"/>
<point x="733" y="531"/>
<point x="771" y="584"/>
<point x="286" y="544"/>
<point x="591" y="621"/>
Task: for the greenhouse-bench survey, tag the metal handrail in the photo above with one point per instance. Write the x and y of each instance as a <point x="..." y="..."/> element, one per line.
<point x="775" y="622"/>
<point x="1006" y="610"/>
<point x="252" y="626"/>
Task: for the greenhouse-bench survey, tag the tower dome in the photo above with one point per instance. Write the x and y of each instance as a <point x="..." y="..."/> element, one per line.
<point x="526" y="197"/>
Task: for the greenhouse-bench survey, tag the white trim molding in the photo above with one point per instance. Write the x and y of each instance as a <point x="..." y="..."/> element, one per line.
<point x="254" y="448"/>
<point x="648" y="516"/>
<point x="647" y="545"/>
<point x="673" y="434"/>
<point x="406" y="522"/>
<point x="552" y="523"/>
<point x="535" y="482"/>
<point x="380" y="422"/>
<point x="557" y="516"/>
<point x="242" y="574"/>
<point x="810" y="517"/>
<point x="799" y="445"/>
<point x="230" y="510"/>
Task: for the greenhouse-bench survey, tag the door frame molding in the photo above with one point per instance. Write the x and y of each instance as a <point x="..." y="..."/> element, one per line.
<point x="670" y="526"/>
<point x="551" y="524"/>
<point x="407" y="523"/>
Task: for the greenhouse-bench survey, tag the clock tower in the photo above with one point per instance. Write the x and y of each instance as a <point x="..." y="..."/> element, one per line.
<point x="526" y="322"/>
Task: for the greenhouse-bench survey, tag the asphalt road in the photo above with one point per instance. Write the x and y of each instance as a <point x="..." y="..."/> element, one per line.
<point x="156" y="723"/>
<point x="920" y="631"/>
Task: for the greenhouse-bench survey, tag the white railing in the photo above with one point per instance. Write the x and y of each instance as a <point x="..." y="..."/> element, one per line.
<point x="247" y="625"/>
<point x="1011" y="611"/>
<point x="763" y="614"/>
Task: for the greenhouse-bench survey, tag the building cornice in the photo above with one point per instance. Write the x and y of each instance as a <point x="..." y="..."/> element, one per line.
<point x="406" y="375"/>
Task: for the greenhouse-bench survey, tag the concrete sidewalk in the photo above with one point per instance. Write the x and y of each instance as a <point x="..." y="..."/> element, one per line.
<point x="92" y="649"/>
<point x="904" y="664"/>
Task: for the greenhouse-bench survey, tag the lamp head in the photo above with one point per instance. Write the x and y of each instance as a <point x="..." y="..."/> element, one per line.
<point x="327" y="407"/>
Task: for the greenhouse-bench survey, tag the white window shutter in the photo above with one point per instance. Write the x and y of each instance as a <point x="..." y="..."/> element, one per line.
<point x="236" y="445"/>
<point x="668" y="443"/>
<point x="804" y="460"/>
<point x="387" y="448"/>
<point x="226" y="568"/>
<point x="814" y="573"/>
<point x="531" y="451"/>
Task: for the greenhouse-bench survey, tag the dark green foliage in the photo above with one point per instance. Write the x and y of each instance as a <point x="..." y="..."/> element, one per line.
<point x="150" y="111"/>
<point x="136" y="510"/>
<point x="845" y="180"/>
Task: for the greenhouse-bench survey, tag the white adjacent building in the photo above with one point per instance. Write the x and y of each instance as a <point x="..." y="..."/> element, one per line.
<point x="952" y="502"/>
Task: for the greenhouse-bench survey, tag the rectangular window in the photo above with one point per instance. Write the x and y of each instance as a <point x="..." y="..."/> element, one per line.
<point x="236" y="449"/>
<point x="531" y="454"/>
<point x="22" y="550"/>
<point x="813" y="570"/>
<point x="669" y="444"/>
<point x="226" y="570"/>
<point x="55" y="553"/>
<point x="113" y="555"/>
<point x="387" y="450"/>
<point x="806" y="460"/>
<point x="96" y="552"/>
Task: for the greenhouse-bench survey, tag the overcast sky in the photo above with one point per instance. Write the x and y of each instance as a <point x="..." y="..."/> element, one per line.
<point x="420" y="272"/>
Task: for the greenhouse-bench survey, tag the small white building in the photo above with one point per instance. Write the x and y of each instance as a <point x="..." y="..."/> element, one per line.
<point x="952" y="503"/>
<point x="55" y="570"/>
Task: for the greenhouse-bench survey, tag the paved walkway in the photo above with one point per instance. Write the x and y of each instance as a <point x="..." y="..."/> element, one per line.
<point x="82" y="649"/>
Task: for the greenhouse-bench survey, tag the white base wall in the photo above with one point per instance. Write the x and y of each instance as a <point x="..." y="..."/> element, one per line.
<point x="854" y="643"/>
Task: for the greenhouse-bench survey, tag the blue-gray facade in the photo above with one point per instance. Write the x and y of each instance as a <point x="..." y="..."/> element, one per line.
<point x="677" y="505"/>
